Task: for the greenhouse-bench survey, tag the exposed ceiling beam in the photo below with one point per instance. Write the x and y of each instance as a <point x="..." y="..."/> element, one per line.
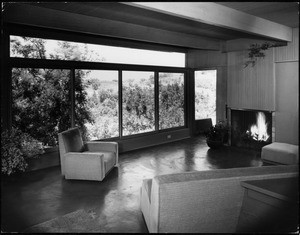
<point x="39" y="16"/>
<point x="244" y="44"/>
<point x="218" y="15"/>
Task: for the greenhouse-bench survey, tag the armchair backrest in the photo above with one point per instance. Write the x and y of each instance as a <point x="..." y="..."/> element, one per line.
<point x="69" y="141"/>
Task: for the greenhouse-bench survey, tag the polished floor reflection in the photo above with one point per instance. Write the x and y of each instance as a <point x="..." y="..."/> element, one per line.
<point x="43" y="195"/>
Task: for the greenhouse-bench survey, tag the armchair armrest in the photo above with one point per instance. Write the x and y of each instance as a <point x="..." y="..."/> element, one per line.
<point x="84" y="166"/>
<point x="97" y="146"/>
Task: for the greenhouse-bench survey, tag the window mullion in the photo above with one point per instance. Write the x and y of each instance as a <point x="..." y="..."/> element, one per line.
<point x="120" y="104"/>
<point x="156" y="100"/>
<point x="72" y="96"/>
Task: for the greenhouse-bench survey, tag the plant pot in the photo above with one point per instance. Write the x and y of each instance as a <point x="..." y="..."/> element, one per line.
<point x="214" y="144"/>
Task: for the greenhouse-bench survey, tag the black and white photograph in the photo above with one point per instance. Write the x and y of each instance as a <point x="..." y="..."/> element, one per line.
<point x="149" y="117"/>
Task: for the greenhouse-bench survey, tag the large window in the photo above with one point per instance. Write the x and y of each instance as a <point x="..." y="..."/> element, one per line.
<point x="98" y="101"/>
<point x="138" y="102"/>
<point x="171" y="100"/>
<point x="205" y="94"/>
<point x="123" y="98"/>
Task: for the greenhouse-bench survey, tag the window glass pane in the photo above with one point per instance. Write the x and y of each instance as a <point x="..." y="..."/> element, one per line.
<point x="96" y="103"/>
<point x="40" y="102"/>
<point x="205" y="94"/>
<point x="37" y="48"/>
<point x="171" y="100"/>
<point x="138" y="102"/>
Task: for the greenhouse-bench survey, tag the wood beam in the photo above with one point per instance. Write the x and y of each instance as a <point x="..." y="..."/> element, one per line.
<point x="244" y="44"/>
<point x="43" y="17"/>
<point x="218" y="15"/>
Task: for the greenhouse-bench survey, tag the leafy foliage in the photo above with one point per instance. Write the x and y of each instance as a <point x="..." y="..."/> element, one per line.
<point x="16" y="147"/>
<point x="41" y="101"/>
<point x="137" y="106"/>
<point x="205" y="95"/>
<point x="257" y="51"/>
<point x="138" y="109"/>
<point x="102" y="105"/>
<point x="218" y="132"/>
<point x="171" y="100"/>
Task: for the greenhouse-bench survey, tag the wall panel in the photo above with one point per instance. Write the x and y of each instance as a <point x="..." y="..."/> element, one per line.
<point x="289" y="52"/>
<point x="251" y="87"/>
<point x="287" y="91"/>
<point x="203" y="58"/>
<point x="287" y="102"/>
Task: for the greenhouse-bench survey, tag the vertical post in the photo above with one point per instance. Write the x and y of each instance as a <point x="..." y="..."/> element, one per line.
<point x="120" y="104"/>
<point x="72" y="96"/>
<point x="6" y="85"/>
<point x="156" y="101"/>
<point x="191" y="101"/>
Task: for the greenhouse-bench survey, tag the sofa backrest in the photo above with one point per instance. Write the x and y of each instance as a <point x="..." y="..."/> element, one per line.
<point x="206" y="201"/>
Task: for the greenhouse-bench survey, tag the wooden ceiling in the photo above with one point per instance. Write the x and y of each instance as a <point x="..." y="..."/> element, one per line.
<point x="281" y="12"/>
<point x="129" y="14"/>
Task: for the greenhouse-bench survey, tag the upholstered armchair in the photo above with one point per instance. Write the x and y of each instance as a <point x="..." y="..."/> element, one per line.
<point x="85" y="161"/>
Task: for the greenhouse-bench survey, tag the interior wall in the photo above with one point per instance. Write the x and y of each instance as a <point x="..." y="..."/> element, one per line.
<point x="287" y="91"/>
<point x="271" y="85"/>
<point x="287" y="102"/>
<point x="251" y="87"/>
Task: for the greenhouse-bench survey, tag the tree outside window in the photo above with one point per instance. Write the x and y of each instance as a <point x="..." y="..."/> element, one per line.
<point x="171" y="100"/>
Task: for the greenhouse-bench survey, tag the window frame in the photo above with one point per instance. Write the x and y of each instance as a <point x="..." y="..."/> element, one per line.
<point x="31" y="31"/>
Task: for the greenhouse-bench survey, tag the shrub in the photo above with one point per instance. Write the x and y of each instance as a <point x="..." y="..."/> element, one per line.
<point x="16" y="147"/>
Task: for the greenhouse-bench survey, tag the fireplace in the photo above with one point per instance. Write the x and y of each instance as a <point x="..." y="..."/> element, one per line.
<point x="250" y="128"/>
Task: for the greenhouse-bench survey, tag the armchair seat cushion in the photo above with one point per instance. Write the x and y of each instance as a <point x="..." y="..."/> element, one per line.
<point x="109" y="159"/>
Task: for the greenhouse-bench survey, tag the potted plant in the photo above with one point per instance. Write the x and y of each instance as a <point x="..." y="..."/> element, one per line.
<point x="217" y="135"/>
<point x="16" y="148"/>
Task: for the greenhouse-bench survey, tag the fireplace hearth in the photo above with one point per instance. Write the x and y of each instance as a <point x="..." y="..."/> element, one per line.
<point x="251" y="128"/>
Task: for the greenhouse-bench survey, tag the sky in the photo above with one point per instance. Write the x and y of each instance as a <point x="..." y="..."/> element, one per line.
<point x="129" y="55"/>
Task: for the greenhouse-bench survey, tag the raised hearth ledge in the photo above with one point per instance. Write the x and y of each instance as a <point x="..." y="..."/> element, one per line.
<point x="250" y="109"/>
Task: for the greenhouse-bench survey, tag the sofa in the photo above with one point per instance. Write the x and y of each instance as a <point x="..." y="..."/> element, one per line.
<point x="201" y="202"/>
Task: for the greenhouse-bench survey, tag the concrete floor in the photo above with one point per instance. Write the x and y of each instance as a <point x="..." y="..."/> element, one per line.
<point x="42" y="195"/>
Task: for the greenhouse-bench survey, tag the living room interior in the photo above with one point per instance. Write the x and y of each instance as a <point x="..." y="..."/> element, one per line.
<point x="151" y="84"/>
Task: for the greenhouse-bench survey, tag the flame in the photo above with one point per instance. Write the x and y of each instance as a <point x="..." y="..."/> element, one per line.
<point x="258" y="131"/>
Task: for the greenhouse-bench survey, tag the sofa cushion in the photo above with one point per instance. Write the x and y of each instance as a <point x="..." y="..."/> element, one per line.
<point x="72" y="140"/>
<point x="281" y="153"/>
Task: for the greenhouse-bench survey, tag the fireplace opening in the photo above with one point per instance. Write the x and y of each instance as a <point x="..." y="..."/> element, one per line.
<point x="251" y="128"/>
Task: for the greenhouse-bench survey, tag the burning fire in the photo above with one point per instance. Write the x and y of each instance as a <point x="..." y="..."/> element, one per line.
<point x="258" y="131"/>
